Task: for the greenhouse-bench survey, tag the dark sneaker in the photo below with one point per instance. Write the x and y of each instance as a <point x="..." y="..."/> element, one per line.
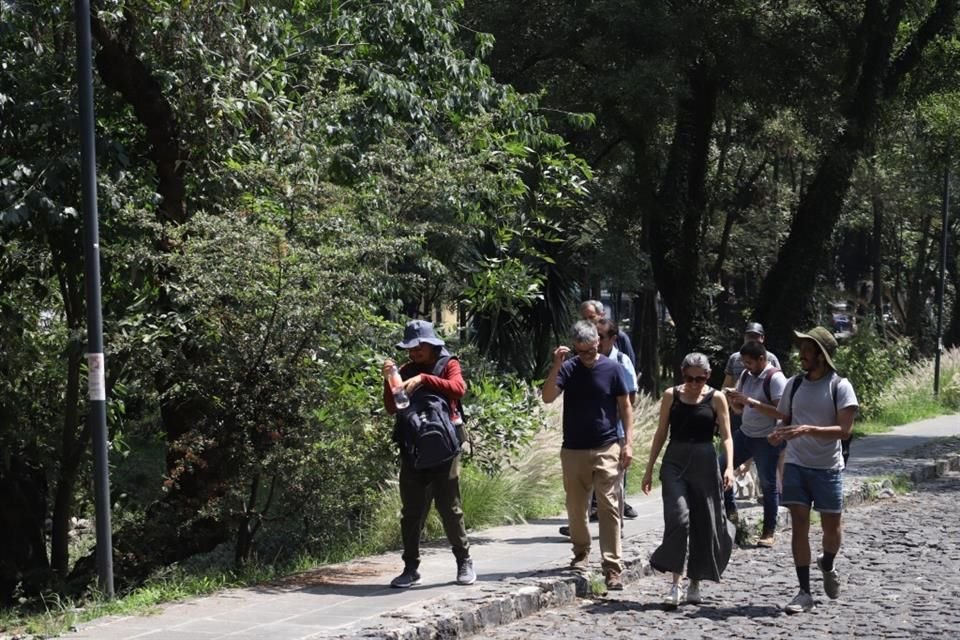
<point x="801" y="603"/>
<point x="565" y="530"/>
<point x="629" y="512"/>
<point x="613" y="581"/>
<point x="407" y="579"/>
<point x="465" y="572"/>
<point x="831" y="580"/>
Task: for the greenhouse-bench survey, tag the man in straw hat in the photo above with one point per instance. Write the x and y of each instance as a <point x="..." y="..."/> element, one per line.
<point x="817" y="411"/>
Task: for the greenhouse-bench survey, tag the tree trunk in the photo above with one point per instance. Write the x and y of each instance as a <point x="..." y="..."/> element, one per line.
<point x="916" y="291"/>
<point x="675" y="249"/>
<point x="646" y="338"/>
<point x="873" y="75"/>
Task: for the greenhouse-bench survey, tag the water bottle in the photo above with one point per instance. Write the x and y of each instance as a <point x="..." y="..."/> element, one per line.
<point x="396" y="385"/>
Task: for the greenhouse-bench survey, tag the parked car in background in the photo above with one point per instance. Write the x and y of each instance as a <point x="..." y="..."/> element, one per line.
<point x="843" y="322"/>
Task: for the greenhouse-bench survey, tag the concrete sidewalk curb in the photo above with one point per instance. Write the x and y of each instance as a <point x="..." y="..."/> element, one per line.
<point x="448" y="618"/>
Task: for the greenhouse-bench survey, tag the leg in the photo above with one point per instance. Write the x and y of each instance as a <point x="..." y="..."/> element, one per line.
<point x="415" y="500"/>
<point x="800" y="543"/>
<point x="672" y="552"/>
<point x="711" y="542"/>
<point x="741" y="453"/>
<point x="446" y="490"/>
<point x="766" y="457"/>
<point x="577" y="483"/>
<point x="832" y="533"/>
<point x="607" y="487"/>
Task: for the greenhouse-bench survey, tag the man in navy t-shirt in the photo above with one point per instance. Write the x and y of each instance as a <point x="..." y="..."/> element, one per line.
<point x="592" y="456"/>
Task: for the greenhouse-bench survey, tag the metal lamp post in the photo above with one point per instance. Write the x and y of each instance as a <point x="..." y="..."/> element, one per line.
<point x="91" y="249"/>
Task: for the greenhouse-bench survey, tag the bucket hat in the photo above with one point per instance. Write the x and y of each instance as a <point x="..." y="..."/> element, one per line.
<point x="418" y="331"/>
<point x="824" y="340"/>
<point x="754" y="327"/>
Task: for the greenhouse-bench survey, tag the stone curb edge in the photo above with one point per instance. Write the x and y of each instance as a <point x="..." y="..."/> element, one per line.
<point x="437" y="619"/>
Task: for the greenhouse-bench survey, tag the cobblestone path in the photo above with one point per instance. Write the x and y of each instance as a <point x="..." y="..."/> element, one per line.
<point x="900" y="578"/>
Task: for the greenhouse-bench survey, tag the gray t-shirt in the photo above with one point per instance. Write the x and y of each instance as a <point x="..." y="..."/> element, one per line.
<point x="813" y="404"/>
<point x="756" y="424"/>
<point x="735" y="363"/>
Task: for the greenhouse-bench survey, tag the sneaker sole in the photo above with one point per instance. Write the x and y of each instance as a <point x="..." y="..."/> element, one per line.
<point x="465" y="582"/>
<point x="405" y="586"/>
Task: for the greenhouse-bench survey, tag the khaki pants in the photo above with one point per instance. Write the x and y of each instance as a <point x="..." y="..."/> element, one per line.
<point x="596" y="471"/>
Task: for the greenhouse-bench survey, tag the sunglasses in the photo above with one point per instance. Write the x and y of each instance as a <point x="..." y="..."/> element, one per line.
<point x="698" y="379"/>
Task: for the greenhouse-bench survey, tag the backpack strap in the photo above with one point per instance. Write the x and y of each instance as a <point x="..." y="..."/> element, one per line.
<point x="440" y="366"/>
<point x="743" y="374"/>
<point x="834" y="383"/>
<point x="766" y="385"/>
<point x="797" y="381"/>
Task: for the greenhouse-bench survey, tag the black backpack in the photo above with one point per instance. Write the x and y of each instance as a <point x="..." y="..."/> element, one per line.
<point x="425" y="432"/>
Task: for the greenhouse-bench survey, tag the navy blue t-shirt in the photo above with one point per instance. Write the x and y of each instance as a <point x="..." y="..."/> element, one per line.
<point x="590" y="402"/>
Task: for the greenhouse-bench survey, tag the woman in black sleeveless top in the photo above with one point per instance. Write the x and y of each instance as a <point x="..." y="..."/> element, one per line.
<point x="693" y="514"/>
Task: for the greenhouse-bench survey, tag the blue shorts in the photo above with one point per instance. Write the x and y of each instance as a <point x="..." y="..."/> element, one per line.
<point x="805" y="486"/>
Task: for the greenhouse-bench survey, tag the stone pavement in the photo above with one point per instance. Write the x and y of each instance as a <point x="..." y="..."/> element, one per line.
<point x="521" y="569"/>
<point x="899" y="571"/>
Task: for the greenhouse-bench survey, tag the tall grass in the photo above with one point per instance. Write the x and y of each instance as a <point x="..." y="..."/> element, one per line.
<point x="909" y="396"/>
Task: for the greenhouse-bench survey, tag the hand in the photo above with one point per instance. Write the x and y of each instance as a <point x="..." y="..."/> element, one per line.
<point x="387" y="364"/>
<point x="727" y="478"/>
<point x="411" y="384"/>
<point x="736" y="397"/>
<point x="626" y="455"/>
<point x="647" y="483"/>
<point x="559" y="355"/>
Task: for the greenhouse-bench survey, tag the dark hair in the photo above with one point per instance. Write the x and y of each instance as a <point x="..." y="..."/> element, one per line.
<point x="753" y="349"/>
<point x="607" y="327"/>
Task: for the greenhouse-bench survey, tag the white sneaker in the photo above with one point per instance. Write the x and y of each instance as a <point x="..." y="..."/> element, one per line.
<point x="674" y="597"/>
<point x="693" y="592"/>
<point x="801" y="603"/>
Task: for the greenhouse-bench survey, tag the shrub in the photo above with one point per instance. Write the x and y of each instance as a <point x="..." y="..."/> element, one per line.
<point x="871" y="364"/>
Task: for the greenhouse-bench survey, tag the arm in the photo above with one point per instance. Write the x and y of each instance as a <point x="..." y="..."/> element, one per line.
<point x="626" y="419"/>
<point x="768" y="410"/>
<point x="550" y="391"/>
<point x="451" y="384"/>
<point x="388" y="402"/>
<point x="658" y="439"/>
<point x="626" y="345"/>
<point x="840" y="431"/>
<point x="723" y="423"/>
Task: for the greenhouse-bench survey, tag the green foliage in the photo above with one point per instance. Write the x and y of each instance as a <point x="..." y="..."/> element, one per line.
<point x="871" y="364"/>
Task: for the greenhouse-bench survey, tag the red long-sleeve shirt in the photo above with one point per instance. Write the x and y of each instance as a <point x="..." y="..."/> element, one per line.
<point x="450" y="383"/>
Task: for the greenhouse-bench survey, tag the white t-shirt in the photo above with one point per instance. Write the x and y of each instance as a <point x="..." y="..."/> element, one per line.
<point x="756" y="424"/>
<point x="813" y="404"/>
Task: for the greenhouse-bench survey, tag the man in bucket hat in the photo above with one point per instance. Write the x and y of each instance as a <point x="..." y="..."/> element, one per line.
<point x="817" y="410"/>
<point x="431" y="369"/>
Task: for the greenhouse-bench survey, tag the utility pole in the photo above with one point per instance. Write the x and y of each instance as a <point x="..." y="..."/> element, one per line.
<point x="943" y="269"/>
<point x="96" y="384"/>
